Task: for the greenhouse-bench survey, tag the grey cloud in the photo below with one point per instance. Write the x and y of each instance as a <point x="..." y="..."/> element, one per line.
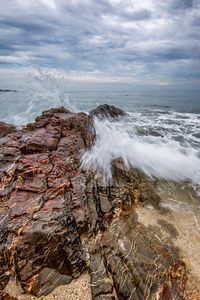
<point x="102" y="35"/>
<point x="138" y="15"/>
<point x="181" y="4"/>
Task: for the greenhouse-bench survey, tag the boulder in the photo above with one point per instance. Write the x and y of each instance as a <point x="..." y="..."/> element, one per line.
<point x="107" y="111"/>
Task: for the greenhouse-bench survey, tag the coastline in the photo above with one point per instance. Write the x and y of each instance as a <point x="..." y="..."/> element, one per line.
<point x="86" y="225"/>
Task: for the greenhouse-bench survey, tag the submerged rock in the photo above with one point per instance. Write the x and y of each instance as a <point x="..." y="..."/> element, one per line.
<point x="107" y="111"/>
<point x="58" y="221"/>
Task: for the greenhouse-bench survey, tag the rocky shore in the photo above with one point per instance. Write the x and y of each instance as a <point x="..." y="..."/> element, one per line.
<point x="62" y="226"/>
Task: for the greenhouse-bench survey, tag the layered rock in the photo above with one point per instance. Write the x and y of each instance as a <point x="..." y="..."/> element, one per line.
<point x="58" y="221"/>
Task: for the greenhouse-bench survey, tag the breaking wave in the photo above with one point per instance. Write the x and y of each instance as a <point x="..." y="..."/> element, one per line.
<point x="155" y="156"/>
<point x="41" y="92"/>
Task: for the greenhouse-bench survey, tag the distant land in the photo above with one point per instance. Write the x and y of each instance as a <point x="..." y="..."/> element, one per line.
<point x="7" y="90"/>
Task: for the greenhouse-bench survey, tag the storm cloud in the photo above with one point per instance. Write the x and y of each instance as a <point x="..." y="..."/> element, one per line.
<point x="131" y="40"/>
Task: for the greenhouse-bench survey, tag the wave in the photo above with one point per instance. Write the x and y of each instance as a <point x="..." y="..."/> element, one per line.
<point x="156" y="158"/>
<point x="181" y="127"/>
<point x="42" y="92"/>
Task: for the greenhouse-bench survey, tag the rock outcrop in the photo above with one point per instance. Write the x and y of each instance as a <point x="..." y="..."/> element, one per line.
<point x="6" y="129"/>
<point x="107" y="111"/>
<point x="57" y="221"/>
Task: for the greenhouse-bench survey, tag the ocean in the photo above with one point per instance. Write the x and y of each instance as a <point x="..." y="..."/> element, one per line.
<point x="160" y="134"/>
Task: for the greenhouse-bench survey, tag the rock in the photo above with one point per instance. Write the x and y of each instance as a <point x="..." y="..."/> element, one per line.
<point x="47" y="280"/>
<point x="58" y="221"/>
<point x="107" y="111"/>
<point x="37" y="186"/>
<point x="7" y="90"/>
<point x="6" y="296"/>
<point x="6" y="129"/>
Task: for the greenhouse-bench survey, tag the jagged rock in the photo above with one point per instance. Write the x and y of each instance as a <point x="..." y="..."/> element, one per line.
<point x="58" y="221"/>
<point x="37" y="200"/>
<point x="107" y="111"/>
<point x="6" y="129"/>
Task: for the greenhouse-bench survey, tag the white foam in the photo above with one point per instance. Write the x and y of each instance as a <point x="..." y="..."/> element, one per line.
<point x="43" y="92"/>
<point x="157" y="157"/>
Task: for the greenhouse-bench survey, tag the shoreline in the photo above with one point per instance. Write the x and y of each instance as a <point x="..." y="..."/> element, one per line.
<point x="60" y="222"/>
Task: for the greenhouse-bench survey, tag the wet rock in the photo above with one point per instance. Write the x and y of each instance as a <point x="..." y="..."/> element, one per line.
<point x="107" y="111"/>
<point x="6" y="129"/>
<point x="47" y="280"/>
<point x="58" y="221"/>
<point x="100" y="279"/>
<point x="37" y="189"/>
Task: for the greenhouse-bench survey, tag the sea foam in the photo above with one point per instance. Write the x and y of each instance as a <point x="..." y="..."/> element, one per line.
<point x="159" y="158"/>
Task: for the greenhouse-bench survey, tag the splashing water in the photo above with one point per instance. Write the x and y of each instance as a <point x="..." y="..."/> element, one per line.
<point x="156" y="158"/>
<point x="43" y="93"/>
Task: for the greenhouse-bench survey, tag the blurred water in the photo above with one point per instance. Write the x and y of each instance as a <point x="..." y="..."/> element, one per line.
<point x="160" y="157"/>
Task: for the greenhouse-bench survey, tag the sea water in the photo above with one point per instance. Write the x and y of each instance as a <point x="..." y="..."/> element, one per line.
<point x="160" y="134"/>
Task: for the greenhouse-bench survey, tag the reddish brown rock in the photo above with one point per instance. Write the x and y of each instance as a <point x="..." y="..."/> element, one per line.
<point x="58" y="221"/>
<point x="6" y="129"/>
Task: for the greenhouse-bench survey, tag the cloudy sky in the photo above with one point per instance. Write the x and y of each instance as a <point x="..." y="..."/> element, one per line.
<point x="152" y="42"/>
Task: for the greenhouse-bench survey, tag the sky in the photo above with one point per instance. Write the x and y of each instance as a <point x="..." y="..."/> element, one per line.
<point x="130" y="42"/>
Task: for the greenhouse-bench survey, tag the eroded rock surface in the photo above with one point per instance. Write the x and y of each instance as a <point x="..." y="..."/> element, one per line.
<point x="57" y="221"/>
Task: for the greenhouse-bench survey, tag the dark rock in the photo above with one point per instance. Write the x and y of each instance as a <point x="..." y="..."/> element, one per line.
<point x="107" y="111"/>
<point x="47" y="280"/>
<point x="102" y="284"/>
<point x="104" y="297"/>
<point x="7" y="90"/>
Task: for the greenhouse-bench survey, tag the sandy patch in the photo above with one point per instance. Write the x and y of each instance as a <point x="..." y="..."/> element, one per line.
<point x="178" y="222"/>
<point x="78" y="289"/>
